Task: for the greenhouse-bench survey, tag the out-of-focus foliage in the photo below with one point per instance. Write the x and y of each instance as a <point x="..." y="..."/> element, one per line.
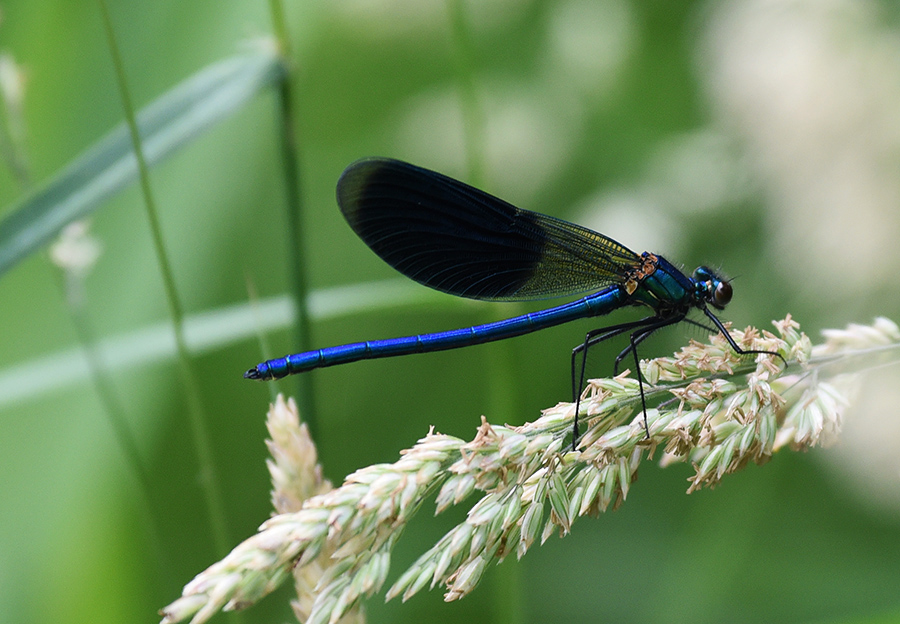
<point x="760" y="137"/>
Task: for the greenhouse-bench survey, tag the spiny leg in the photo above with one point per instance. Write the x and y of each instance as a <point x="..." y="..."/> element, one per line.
<point x="592" y="338"/>
<point x="721" y="329"/>
<point x="644" y="328"/>
<point x="648" y="331"/>
<point x="700" y="325"/>
<point x="734" y="345"/>
<point x="642" y="334"/>
<point x="649" y="324"/>
<point x="637" y="338"/>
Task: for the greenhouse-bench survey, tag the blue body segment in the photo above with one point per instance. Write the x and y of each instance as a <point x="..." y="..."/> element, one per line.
<point x="597" y="304"/>
<point x="455" y="238"/>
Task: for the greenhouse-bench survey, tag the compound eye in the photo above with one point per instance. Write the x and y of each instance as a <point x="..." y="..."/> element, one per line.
<point x="722" y="295"/>
<point x="702" y="274"/>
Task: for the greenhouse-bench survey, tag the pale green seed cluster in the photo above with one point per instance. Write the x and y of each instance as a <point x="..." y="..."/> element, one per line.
<point x="714" y="409"/>
<point x="354" y="526"/>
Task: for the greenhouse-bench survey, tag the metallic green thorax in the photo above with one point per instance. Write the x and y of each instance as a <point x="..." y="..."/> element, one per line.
<point x="661" y="286"/>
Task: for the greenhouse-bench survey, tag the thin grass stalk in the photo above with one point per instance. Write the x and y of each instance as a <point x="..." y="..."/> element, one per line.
<point x="75" y="253"/>
<point x="296" y="241"/>
<point x="473" y="118"/>
<point x="196" y="412"/>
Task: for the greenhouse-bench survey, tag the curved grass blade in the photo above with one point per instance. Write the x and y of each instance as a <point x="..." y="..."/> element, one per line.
<point x="204" y="331"/>
<point x="177" y="117"/>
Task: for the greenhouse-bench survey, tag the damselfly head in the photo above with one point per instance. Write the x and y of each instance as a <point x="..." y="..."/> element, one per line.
<point x="715" y="290"/>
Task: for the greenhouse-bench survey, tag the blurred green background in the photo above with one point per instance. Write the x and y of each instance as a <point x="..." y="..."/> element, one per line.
<point x="760" y="137"/>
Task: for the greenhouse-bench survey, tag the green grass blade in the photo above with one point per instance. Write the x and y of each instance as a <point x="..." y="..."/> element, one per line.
<point x="173" y="120"/>
<point x="205" y="331"/>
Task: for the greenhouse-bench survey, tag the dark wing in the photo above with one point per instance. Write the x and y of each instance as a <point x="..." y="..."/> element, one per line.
<point x="454" y="238"/>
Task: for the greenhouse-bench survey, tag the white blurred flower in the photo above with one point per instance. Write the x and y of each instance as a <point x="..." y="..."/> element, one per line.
<point x="811" y="87"/>
<point x="76" y="250"/>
